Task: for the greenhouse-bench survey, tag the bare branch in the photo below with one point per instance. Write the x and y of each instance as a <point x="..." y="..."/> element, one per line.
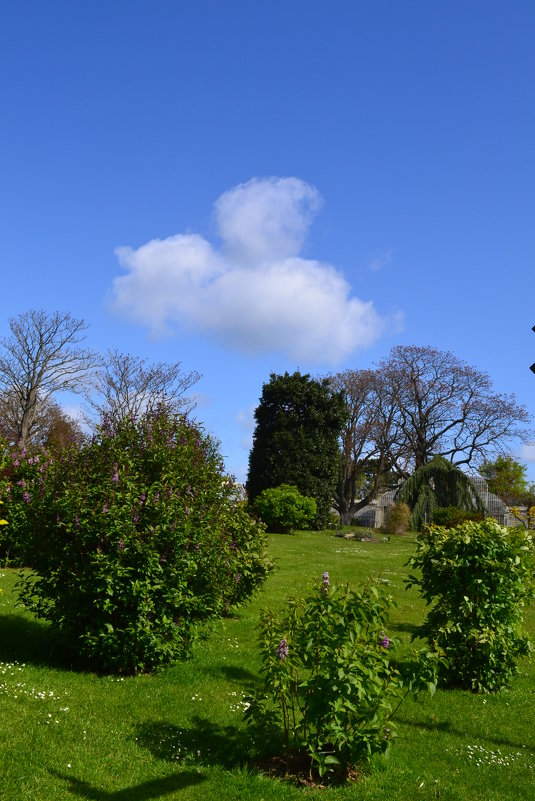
<point x="127" y="386"/>
<point x="40" y="358"/>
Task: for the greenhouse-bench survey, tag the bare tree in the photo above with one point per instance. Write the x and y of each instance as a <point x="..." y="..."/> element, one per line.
<point x="127" y="386"/>
<point x="419" y="403"/>
<point x="40" y="358"/>
<point x="447" y="408"/>
<point x="367" y="440"/>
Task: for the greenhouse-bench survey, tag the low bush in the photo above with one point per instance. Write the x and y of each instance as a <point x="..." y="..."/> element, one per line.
<point x="283" y="509"/>
<point x="330" y="688"/>
<point x="397" y="519"/>
<point x="477" y="579"/>
<point x="451" y="516"/>
<point x="134" y="539"/>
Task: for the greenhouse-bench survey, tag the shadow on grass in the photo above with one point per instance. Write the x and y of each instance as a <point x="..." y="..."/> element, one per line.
<point x="203" y="742"/>
<point x="236" y="673"/>
<point x="445" y="726"/>
<point x="406" y="628"/>
<point x="29" y="641"/>
<point x="156" y="788"/>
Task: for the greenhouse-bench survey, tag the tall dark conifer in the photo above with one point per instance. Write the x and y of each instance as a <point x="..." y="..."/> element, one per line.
<point x="298" y="424"/>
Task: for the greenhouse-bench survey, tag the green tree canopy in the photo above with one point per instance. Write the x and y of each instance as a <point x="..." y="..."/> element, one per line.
<point x="298" y="423"/>
<point x="506" y="478"/>
<point x="436" y="484"/>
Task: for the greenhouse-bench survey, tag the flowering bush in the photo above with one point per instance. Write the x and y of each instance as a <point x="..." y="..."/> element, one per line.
<point x="284" y="509"/>
<point x="135" y="538"/>
<point x="2" y="521"/>
<point x="22" y="475"/>
<point x="477" y="577"/>
<point x="329" y="684"/>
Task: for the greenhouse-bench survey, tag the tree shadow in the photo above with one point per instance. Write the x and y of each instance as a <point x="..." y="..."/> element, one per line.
<point x="202" y="743"/>
<point x="445" y="726"/>
<point x="31" y="641"/>
<point x="246" y="678"/>
<point x="156" y="788"/>
<point x="406" y="628"/>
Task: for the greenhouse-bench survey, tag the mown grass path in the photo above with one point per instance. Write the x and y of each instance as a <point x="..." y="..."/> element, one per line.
<point x="179" y="734"/>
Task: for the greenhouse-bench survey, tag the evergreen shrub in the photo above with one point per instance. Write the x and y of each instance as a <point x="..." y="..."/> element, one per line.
<point x="284" y="509"/>
<point x="397" y="519"/>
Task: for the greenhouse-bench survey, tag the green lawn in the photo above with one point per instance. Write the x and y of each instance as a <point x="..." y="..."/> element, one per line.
<point x="179" y="734"/>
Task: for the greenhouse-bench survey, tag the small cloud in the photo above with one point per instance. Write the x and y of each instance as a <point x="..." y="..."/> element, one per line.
<point x="379" y="260"/>
<point x="527" y="453"/>
<point x="253" y="292"/>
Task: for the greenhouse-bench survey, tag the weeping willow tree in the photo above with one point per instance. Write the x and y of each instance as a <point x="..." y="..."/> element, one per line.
<point x="436" y="484"/>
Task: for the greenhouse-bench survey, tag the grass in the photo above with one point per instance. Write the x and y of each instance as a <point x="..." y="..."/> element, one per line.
<point x="179" y="734"/>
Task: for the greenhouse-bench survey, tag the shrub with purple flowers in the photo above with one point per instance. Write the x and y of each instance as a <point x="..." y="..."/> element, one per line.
<point x="330" y="687"/>
<point x="136" y="539"/>
<point x="22" y="479"/>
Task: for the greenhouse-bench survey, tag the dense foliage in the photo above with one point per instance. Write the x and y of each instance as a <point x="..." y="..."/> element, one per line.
<point x="298" y="422"/>
<point x="284" y="509"/>
<point x="397" y="519"/>
<point x="22" y="476"/>
<point x="507" y="479"/>
<point x="329" y="684"/>
<point x="437" y="484"/>
<point x="134" y="538"/>
<point x="451" y="516"/>
<point x="477" y="579"/>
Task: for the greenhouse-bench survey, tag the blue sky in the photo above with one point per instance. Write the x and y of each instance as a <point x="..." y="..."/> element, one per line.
<point x="254" y="187"/>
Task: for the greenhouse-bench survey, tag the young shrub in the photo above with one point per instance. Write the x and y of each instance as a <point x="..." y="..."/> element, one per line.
<point x="330" y="688"/>
<point x="283" y="509"/>
<point x="139" y="539"/>
<point x="477" y="578"/>
<point x="397" y="519"/>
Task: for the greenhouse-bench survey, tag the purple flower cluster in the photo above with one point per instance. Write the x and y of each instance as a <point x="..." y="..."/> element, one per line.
<point x="385" y="642"/>
<point x="325" y="583"/>
<point x="282" y="650"/>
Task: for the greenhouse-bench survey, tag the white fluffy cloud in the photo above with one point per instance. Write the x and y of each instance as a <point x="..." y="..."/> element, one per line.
<point x="253" y="292"/>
